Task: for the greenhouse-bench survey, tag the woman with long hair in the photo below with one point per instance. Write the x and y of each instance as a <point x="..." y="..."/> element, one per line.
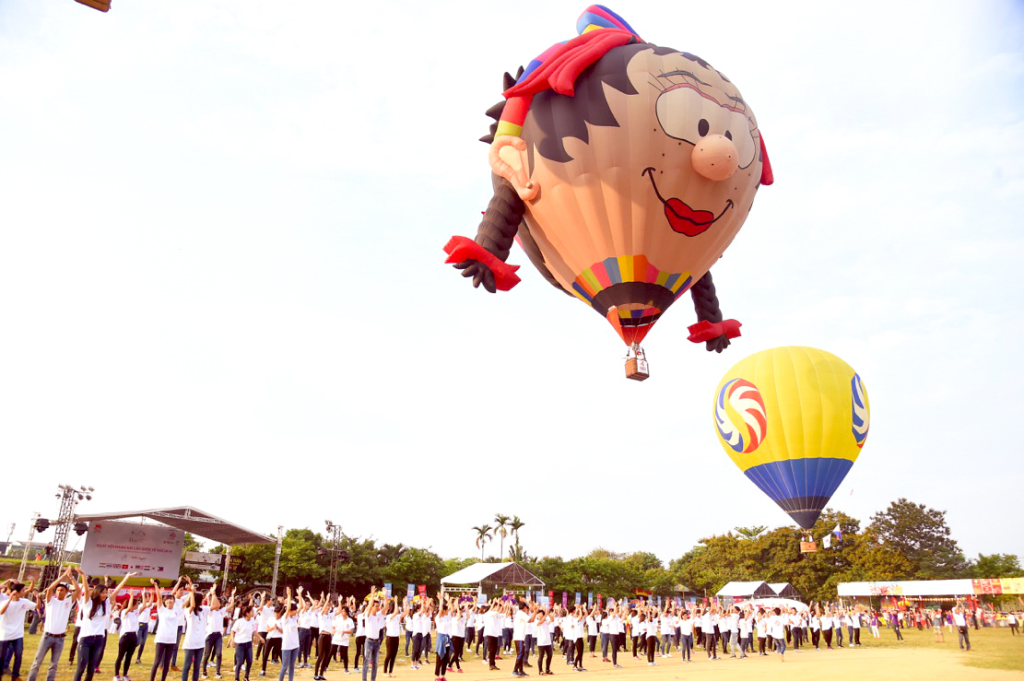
<point x="166" y="635"/>
<point x="392" y="632"/>
<point x="288" y="626"/>
<point x="128" y="635"/>
<point x="96" y="610"/>
<point x="242" y="632"/>
<point x="194" y="641"/>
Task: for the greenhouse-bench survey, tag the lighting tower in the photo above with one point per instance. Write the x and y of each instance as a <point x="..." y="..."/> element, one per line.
<point x="335" y="533"/>
<point x="69" y="498"/>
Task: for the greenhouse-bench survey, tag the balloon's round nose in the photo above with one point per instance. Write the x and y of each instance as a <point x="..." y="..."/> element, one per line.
<point x="715" y="157"/>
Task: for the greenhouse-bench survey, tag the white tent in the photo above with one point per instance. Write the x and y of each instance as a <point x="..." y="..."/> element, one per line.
<point x="745" y="590"/>
<point x="784" y="590"/>
<point x="495" y="575"/>
<point x="914" y="588"/>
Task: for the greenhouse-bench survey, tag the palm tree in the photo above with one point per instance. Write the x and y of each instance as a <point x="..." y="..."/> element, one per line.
<point x="500" y="528"/>
<point x="515" y="524"/>
<point x="517" y="555"/>
<point x="388" y="553"/>
<point x="483" y="534"/>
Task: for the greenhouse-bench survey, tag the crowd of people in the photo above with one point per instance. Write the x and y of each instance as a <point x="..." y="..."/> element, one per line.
<point x="291" y="629"/>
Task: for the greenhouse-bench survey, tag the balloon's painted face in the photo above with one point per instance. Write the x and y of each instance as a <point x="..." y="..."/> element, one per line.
<point x="702" y="168"/>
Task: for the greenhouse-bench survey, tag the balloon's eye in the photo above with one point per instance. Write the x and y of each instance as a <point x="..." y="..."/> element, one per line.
<point x="703" y="127"/>
<point x="728" y="135"/>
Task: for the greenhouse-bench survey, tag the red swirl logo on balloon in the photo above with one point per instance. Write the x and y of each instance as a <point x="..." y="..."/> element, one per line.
<point x="744" y="399"/>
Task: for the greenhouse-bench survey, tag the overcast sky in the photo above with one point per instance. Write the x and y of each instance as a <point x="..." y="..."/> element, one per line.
<point x="222" y="283"/>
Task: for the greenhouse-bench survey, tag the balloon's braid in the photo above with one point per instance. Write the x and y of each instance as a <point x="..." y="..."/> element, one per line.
<point x="497" y="229"/>
<point x="705" y="302"/>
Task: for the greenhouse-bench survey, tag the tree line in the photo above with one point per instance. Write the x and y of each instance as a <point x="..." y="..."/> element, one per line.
<point x="904" y="541"/>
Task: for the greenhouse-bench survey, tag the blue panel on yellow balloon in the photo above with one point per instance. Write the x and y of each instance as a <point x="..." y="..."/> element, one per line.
<point x="794" y="420"/>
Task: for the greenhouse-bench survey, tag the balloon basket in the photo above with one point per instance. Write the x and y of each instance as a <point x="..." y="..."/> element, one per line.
<point x="637" y="368"/>
<point x="808" y="545"/>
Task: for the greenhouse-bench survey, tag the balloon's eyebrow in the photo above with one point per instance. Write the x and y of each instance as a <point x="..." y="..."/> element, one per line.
<point x="680" y="72"/>
<point x="737" y="99"/>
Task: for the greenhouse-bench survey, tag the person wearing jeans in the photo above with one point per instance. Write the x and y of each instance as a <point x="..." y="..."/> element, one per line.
<point x="241" y="638"/>
<point x="373" y="625"/>
<point x="960" y="620"/>
<point x="58" y="609"/>
<point x="12" y="626"/>
<point x="97" y="609"/>
<point x="288" y="626"/>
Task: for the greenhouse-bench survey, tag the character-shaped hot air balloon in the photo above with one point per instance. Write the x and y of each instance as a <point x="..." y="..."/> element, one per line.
<point x="625" y="169"/>
<point x="794" y="420"/>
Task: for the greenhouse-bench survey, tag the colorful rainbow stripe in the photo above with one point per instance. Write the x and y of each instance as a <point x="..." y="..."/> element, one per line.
<point x="624" y="269"/>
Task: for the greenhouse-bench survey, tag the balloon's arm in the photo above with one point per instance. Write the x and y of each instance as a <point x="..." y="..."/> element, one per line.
<point x="484" y="258"/>
<point x="461" y="249"/>
<point x="711" y="329"/>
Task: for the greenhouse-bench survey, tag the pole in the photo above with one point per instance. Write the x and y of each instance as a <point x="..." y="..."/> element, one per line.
<point x="28" y="547"/>
<point x="227" y="570"/>
<point x="277" y="560"/>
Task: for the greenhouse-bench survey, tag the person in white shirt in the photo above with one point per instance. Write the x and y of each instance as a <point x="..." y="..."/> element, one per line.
<point x="392" y="632"/>
<point x="324" y="645"/>
<point x="242" y="632"/>
<point x="58" y="607"/>
<point x="166" y="637"/>
<point x="213" y="650"/>
<point x="685" y="635"/>
<point x="287" y="626"/>
<point x="95" y="619"/>
<point x="12" y="624"/>
<point x="777" y="630"/>
<point x="197" y="614"/>
<point x="342" y="628"/>
<point x="128" y="636"/>
<point x="373" y="625"/>
<point x="960" y="620"/>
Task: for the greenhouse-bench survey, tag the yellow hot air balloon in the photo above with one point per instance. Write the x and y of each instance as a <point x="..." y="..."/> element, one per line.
<point x="794" y="420"/>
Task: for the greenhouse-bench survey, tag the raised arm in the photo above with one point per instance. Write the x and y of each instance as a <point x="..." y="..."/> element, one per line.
<point x="113" y="594"/>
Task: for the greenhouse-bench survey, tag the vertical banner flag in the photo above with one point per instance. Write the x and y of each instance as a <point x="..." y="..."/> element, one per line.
<point x="565" y="599"/>
<point x="481" y="599"/>
<point x="422" y="588"/>
<point x="579" y="598"/>
<point x="827" y="541"/>
<point x="599" y="601"/>
<point x="590" y="599"/>
<point x="838" y="532"/>
<point x="551" y="598"/>
<point x="411" y="592"/>
<point x="387" y="589"/>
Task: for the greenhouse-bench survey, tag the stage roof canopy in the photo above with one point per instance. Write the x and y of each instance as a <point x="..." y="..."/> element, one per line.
<point x="499" y="574"/>
<point x="189" y="519"/>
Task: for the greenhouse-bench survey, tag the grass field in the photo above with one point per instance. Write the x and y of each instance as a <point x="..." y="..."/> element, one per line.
<point x="995" y="655"/>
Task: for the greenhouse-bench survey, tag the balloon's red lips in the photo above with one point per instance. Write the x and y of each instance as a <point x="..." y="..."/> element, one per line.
<point x="681" y="217"/>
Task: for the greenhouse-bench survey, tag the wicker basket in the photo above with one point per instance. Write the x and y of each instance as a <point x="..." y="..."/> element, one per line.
<point x="637" y="369"/>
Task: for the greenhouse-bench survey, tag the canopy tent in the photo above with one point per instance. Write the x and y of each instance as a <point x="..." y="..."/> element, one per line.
<point x="191" y="520"/>
<point x="784" y="590"/>
<point x="746" y="590"/>
<point x="932" y="588"/>
<point x="493" y="575"/>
